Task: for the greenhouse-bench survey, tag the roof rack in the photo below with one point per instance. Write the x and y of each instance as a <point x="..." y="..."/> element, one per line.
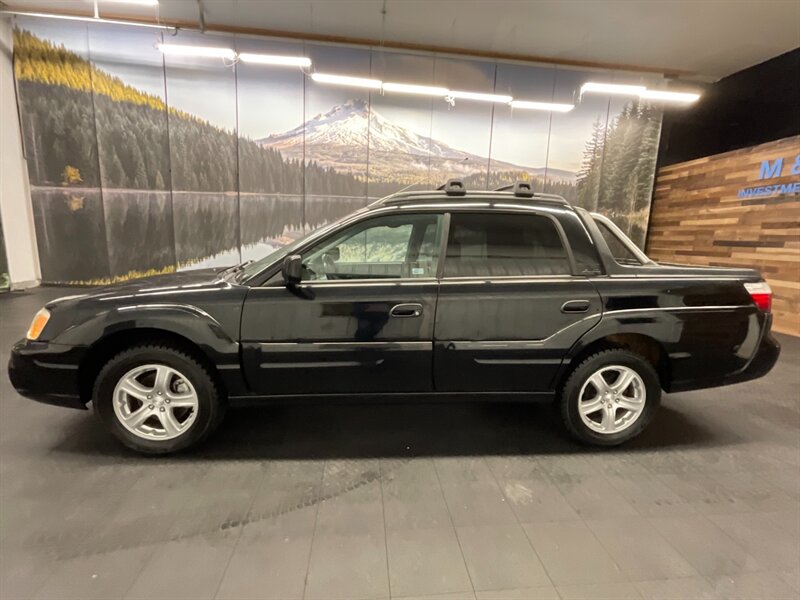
<point x="454" y="187"/>
<point x="523" y="189"/>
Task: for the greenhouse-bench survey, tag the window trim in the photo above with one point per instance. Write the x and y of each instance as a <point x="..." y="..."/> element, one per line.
<point x="573" y="270"/>
<point x="266" y="276"/>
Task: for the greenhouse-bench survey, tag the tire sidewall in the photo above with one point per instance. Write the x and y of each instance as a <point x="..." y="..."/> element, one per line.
<point x="121" y="364"/>
<point x="572" y="390"/>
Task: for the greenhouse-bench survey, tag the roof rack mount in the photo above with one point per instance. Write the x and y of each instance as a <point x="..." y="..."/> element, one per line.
<point x="454" y="187"/>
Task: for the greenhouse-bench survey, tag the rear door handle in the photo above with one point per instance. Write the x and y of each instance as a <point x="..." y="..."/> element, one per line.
<point x="405" y="311"/>
<point x="575" y="306"/>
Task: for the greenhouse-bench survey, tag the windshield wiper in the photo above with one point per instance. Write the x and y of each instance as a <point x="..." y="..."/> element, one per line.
<point x="235" y="268"/>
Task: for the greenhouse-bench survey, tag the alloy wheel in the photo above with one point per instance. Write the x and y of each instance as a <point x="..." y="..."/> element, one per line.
<point x="155" y="402"/>
<point x="612" y="399"/>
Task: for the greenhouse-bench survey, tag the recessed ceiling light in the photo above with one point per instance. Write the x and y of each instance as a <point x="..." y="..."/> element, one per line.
<point x="409" y="88"/>
<point x="374" y="84"/>
<point x="200" y="51"/>
<point x="550" y="106"/>
<point x="275" y="59"/>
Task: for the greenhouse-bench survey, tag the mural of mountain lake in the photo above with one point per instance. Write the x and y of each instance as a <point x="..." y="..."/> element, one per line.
<point x="139" y="219"/>
<point x="70" y="234"/>
<point x="269" y="221"/>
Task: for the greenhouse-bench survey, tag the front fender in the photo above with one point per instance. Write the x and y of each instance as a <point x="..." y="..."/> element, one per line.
<point x="190" y="322"/>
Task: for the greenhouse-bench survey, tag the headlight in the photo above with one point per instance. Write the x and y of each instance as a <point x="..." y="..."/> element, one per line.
<point x="38" y="323"/>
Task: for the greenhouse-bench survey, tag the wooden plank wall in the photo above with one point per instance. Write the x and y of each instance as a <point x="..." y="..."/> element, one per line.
<point x="698" y="218"/>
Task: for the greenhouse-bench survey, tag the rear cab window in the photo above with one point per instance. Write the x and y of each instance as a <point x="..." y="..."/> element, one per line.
<point x="504" y="245"/>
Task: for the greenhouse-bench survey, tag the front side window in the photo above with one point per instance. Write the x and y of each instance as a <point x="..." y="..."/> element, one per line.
<point x="389" y="247"/>
<point x="499" y="245"/>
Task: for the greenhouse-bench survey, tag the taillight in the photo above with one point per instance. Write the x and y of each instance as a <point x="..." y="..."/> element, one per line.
<point x="761" y="294"/>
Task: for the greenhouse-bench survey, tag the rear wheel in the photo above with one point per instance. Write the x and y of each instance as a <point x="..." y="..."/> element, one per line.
<point x="610" y="397"/>
<point x="156" y="399"/>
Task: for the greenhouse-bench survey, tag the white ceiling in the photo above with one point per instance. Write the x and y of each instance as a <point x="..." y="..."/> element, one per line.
<point x="707" y="39"/>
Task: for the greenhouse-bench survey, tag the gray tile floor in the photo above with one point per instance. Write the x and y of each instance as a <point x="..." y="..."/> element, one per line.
<point x="448" y="501"/>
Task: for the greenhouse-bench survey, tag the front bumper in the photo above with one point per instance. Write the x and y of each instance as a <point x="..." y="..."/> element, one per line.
<point x="46" y="372"/>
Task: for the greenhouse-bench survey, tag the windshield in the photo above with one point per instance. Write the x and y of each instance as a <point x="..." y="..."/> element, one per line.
<point x="255" y="267"/>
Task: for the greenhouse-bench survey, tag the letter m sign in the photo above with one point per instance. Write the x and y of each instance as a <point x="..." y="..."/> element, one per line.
<point x="771" y="169"/>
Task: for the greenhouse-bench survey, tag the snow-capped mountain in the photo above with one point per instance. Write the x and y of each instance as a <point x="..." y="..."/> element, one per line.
<point x="340" y="137"/>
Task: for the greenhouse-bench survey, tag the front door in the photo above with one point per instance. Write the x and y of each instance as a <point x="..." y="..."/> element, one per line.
<point x="360" y="321"/>
<point x="509" y="305"/>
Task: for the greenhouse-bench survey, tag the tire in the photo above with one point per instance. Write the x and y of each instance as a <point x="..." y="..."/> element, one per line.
<point x="623" y="414"/>
<point x="183" y="415"/>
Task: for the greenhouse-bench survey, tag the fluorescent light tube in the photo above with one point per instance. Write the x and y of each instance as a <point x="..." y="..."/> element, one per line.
<point x="373" y="84"/>
<point x="39" y="15"/>
<point x="685" y="97"/>
<point x="142" y="2"/>
<point x="200" y="51"/>
<point x="551" y="106"/>
<point x="275" y="59"/>
<point x="479" y="96"/>
<point x="612" y="88"/>
<point x="409" y="88"/>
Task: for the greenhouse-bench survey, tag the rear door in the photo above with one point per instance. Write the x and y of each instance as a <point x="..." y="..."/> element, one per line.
<point x="361" y="321"/>
<point x="510" y="304"/>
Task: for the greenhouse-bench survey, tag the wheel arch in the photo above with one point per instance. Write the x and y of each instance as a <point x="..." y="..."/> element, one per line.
<point x="644" y="345"/>
<point x="105" y="348"/>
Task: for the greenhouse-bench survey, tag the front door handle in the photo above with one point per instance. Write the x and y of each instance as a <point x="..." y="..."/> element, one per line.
<point x="575" y="306"/>
<point x="406" y="310"/>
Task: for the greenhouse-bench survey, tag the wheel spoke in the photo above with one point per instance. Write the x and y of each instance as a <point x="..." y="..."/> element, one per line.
<point x="169" y="422"/>
<point x="624" y="380"/>
<point x="609" y="418"/>
<point x="135" y="389"/>
<point x="629" y="403"/>
<point x="162" y="378"/>
<point x="138" y="417"/>
<point x="598" y="382"/>
<point x="591" y="406"/>
<point x="183" y="400"/>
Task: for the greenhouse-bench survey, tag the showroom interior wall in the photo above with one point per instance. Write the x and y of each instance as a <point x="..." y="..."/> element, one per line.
<point x="736" y="209"/>
<point x="19" y="266"/>
<point x="719" y="198"/>
<point x="142" y="163"/>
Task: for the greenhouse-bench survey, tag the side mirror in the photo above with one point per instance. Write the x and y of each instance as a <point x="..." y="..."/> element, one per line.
<point x="292" y="269"/>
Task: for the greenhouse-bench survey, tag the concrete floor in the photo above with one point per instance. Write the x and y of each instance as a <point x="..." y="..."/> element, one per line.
<point x="437" y="501"/>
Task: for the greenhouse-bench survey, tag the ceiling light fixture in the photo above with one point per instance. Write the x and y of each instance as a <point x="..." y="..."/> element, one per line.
<point x="23" y="13"/>
<point x="683" y="97"/>
<point x="612" y="88"/>
<point x="141" y="2"/>
<point x="422" y="90"/>
<point x="198" y="51"/>
<point x="275" y="59"/>
<point x="373" y="84"/>
<point x="480" y="96"/>
<point x="549" y="106"/>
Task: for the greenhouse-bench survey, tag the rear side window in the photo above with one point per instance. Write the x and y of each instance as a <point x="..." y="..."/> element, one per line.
<point x="500" y="245"/>
<point x="621" y="253"/>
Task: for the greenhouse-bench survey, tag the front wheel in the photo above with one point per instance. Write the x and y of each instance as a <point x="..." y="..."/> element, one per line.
<point x="610" y="397"/>
<point x="157" y="400"/>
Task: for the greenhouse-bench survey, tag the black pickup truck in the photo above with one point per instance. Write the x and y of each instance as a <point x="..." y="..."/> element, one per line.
<point x="445" y="294"/>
